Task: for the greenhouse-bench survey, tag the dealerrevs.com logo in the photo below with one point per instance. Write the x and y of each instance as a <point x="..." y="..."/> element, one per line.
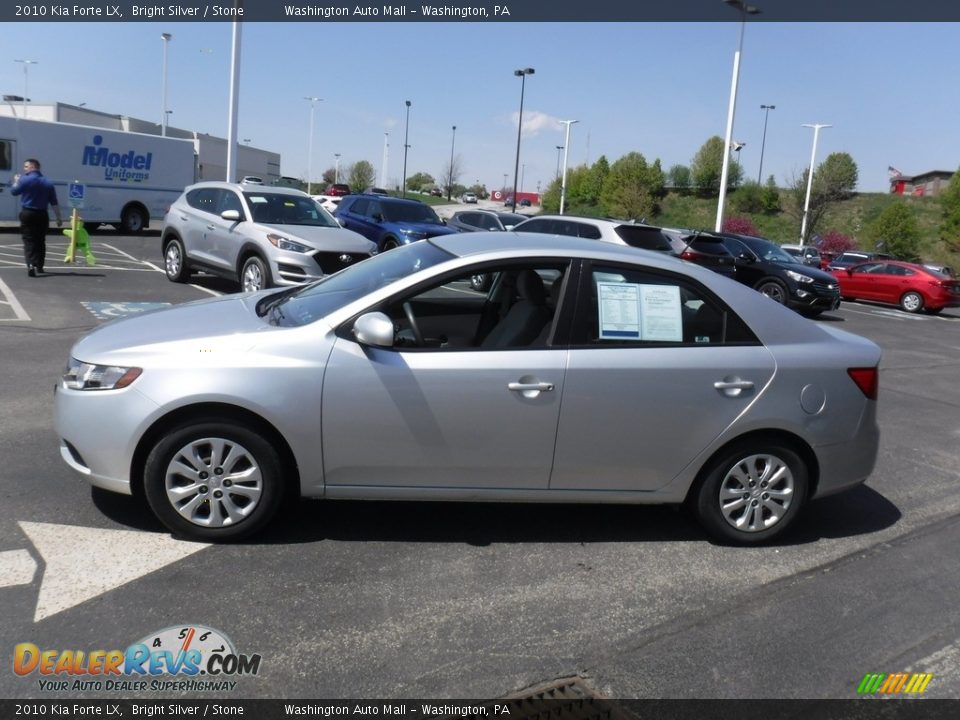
<point x="177" y="658"/>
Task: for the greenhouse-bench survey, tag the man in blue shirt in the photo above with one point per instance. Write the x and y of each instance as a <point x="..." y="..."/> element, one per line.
<point x="37" y="194"/>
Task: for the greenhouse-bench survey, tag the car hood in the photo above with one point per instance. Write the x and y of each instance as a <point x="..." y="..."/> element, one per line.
<point x="324" y="238"/>
<point x="428" y="229"/>
<point x="221" y="324"/>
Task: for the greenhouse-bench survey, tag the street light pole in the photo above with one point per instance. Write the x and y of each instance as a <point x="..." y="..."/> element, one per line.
<point x="522" y="74"/>
<point x="166" y="37"/>
<point x="763" y="143"/>
<point x="450" y="177"/>
<point x="26" y="84"/>
<point x="383" y="167"/>
<point x="336" y="167"/>
<point x="559" y="148"/>
<point x="406" y="146"/>
<point x="731" y="110"/>
<point x="813" y="154"/>
<point x="566" y="150"/>
<point x="505" y="182"/>
<point x="313" y="104"/>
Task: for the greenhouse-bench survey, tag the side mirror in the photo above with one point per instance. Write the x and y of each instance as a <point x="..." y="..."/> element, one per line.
<point x="231" y="215"/>
<point x="508" y="228"/>
<point x="374" y="329"/>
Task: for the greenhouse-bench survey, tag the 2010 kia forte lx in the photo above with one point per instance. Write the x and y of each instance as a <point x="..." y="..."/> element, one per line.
<point x="586" y="373"/>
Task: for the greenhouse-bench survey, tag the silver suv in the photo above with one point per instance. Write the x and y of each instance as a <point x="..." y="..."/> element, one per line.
<point x="261" y="236"/>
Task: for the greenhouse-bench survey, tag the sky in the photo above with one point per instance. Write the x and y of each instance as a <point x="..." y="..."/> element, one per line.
<point x="661" y="89"/>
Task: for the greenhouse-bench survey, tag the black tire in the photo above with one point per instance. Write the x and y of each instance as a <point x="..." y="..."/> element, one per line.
<point x="390" y="244"/>
<point x="911" y="302"/>
<point x="254" y="275"/>
<point x="133" y="221"/>
<point x="175" y="261"/>
<point x="189" y="506"/>
<point x="773" y="289"/>
<point x="767" y="510"/>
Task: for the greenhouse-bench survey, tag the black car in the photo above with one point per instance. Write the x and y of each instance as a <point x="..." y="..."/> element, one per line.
<point x="769" y="269"/>
<point x="476" y="220"/>
<point x="702" y="248"/>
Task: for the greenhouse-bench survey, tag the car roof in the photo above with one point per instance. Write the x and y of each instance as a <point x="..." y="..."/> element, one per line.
<point x="612" y="222"/>
<point x="247" y="187"/>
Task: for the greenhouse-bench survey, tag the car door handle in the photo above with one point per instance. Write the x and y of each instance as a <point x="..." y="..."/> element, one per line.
<point x="211" y="227"/>
<point x="733" y="386"/>
<point x="530" y="389"/>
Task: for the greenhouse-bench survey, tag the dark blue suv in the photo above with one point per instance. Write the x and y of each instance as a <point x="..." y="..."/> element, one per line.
<point x="389" y="221"/>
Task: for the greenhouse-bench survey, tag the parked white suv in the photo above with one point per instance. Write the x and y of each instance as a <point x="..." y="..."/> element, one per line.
<point x="807" y="254"/>
<point x="261" y="236"/>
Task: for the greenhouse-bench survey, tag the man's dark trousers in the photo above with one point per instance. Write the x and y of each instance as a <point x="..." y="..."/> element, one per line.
<point x="34" y="225"/>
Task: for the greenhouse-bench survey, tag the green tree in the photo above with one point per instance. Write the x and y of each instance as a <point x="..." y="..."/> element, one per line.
<point x="361" y="175"/>
<point x="420" y="180"/>
<point x="706" y="168"/>
<point x="550" y="200"/>
<point x="598" y="173"/>
<point x="834" y="180"/>
<point x="950" y="204"/>
<point x="770" y="197"/>
<point x="895" y="231"/>
<point x="748" y="198"/>
<point x="678" y="177"/>
<point x="632" y="188"/>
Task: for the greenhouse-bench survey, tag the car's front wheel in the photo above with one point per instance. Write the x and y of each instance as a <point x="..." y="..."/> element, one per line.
<point x="752" y="492"/>
<point x="912" y="302"/>
<point x="213" y="480"/>
<point x="175" y="261"/>
<point x="773" y="289"/>
<point x="254" y="275"/>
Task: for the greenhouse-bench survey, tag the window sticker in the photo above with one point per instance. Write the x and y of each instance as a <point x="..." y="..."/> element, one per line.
<point x="619" y="307"/>
<point x="631" y="311"/>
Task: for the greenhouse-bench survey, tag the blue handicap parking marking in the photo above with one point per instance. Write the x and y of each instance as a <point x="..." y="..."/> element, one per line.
<point x="113" y="310"/>
<point x="76" y="191"/>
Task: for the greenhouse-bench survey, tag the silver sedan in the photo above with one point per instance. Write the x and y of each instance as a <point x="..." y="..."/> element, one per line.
<point x="592" y="373"/>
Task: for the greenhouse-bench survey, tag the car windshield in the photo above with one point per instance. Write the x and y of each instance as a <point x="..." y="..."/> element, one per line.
<point x="409" y="212"/>
<point x="314" y="301"/>
<point x="283" y="209"/>
<point x="771" y="252"/>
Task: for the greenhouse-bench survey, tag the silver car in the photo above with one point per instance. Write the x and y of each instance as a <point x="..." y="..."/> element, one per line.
<point x="593" y="372"/>
<point x="260" y="236"/>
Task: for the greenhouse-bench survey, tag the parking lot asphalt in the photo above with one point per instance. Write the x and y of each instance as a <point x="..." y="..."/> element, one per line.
<point x="394" y="600"/>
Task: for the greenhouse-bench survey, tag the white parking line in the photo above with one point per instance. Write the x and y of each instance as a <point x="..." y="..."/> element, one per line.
<point x="896" y="314"/>
<point x="14" y="304"/>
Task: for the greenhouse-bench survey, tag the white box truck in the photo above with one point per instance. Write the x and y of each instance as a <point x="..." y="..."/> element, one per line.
<point x="128" y="178"/>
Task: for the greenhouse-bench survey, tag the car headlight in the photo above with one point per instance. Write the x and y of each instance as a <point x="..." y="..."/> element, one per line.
<point x="287" y="244"/>
<point x="412" y="233"/>
<point x="797" y="277"/>
<point x="87" y="376"/>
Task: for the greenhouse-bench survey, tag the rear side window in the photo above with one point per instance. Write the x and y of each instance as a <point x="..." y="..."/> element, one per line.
<point x="645" y="238"/>
<point x="204" y="199"/>
<point x="638" y="307"/>
<point x="6" y="161"/>
<point x="358" y="206"/>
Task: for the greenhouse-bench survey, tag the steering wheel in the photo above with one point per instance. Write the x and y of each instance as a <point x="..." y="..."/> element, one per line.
<point x="417" y="335"/>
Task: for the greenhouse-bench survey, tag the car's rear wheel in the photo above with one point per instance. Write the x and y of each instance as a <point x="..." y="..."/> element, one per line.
<point x="133" y="220"/>
<point x="773" y="289"/>
<point x="480" y="282"/>
<point x="254" y="276"/>
<point x="390" y="244"/>
<point x="175" y="261"/>
<point x="912" y="302"/>
<point x="213" y="480"/>
<point x="752" y="492"/>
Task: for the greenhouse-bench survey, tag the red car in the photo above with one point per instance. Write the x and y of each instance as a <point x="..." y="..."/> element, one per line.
<point x="912" y="287"/>
<point x="338" y="190"/>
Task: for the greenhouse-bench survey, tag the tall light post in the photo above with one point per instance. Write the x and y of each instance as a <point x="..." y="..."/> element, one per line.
<point x="559" y="148"/>
<point x="763" y="143"/>
<point x="731" y="110"/>
<point x="336" y="167"/>
<point x="566" y="150"/>
<point x="26" y="83"/>
<point x="166" y="37"/>
<point x="383" y="167"/>
<point x="505" y="175"/>
<point x="406" y="146"/>
<point x="813" y="155"/>
<point x="236" y="44"/>
<point x="450" y="177"/>
<point x="313" y="104"/>
<point x="522" y="74"/>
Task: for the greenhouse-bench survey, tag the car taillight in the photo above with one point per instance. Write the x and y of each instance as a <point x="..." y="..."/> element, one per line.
<point x="689" y="255"/>
<point x="867" y="379"/>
